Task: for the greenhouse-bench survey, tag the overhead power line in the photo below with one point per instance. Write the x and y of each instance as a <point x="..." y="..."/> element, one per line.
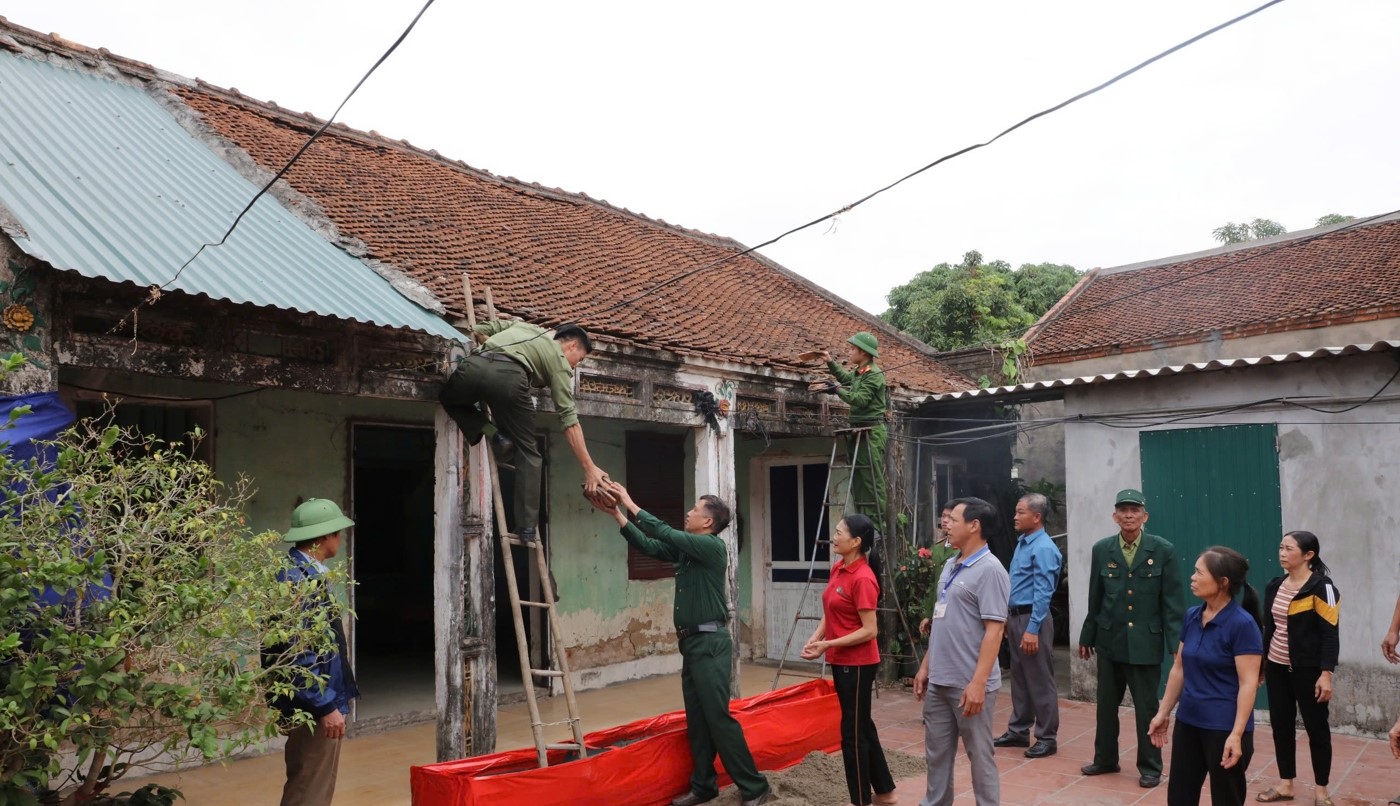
<point x="285" y="168"/>
<point x="862" y="200"/>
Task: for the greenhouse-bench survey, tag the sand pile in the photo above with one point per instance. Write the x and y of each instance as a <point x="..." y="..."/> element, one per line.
<point x="820" y="780"/>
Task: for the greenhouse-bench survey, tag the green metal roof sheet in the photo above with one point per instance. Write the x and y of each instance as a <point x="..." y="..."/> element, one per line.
<point x="102" y="180"/>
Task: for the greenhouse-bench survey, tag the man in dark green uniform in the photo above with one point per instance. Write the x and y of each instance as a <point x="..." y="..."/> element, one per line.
<point x="701" y="610"/>
<point x="514" y="357"/>
<point x="1133" y="622"/>
<point x="863" y="389"/>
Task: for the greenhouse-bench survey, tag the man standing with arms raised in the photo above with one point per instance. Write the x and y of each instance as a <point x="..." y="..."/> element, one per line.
<point x="959" y="676"/>
<point x="1134" y="622"/>
<point x="1035" y="573"/>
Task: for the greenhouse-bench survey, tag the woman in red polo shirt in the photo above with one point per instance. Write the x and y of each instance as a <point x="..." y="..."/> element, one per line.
<point x="847" y="635"/>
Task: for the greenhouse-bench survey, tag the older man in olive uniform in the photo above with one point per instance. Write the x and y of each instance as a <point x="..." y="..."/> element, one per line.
<point x="1133" y="623"/>
<point x="701" y="611"/>
<point x="862" y="387"/>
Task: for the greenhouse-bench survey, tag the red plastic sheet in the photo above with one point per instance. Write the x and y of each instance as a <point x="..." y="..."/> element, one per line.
<point x="644" y="763"/>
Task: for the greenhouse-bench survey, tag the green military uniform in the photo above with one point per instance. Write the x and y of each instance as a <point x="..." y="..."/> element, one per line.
<point x="701" y="566"/>
<point x="1133" y="624"/>
<point x="864" y="390"/>
<point x="517" y="356"/>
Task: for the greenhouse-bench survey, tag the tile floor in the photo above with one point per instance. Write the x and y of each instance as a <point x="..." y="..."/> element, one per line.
<point x="374" y="769"/>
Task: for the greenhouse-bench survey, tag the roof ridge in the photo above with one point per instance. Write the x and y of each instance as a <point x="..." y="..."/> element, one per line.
<point x="1243" y="246"/>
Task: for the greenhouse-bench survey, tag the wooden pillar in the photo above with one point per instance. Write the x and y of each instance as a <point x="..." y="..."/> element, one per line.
<point x="464" y="597"/>
<point x="449" y="610"/>
<point x="714" y="475"/>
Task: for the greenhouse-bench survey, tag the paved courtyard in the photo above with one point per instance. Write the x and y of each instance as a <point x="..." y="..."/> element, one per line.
<point x="374" y="769"/>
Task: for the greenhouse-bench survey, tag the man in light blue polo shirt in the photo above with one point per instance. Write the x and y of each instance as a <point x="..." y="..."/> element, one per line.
<point x="959" y="676"/>
<point x="1035" y="572"/>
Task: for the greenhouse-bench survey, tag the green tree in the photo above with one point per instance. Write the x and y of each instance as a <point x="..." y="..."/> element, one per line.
<point x="133" y="603"/>
<point x="1254" y="230"/>
<point x="1334" y="218"/>
<point x="976" y="302"/>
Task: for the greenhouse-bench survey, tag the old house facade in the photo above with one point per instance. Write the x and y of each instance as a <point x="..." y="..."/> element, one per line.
<point x="310" y="347"/>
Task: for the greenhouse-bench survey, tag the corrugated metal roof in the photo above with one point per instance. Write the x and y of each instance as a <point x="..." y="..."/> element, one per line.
<point x="100" y="179"/>
<point x="1031" y="387"/>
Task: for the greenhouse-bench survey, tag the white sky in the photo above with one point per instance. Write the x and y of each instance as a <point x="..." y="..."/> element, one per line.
<point x="747" y="118"/>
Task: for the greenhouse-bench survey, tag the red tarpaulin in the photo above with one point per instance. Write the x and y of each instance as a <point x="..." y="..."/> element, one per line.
<point x="644" y="763"/>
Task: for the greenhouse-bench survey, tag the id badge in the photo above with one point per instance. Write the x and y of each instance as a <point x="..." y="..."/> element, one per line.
<point x="940" y="609"/>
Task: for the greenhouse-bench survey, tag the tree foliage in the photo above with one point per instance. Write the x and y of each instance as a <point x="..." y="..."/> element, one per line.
<point x="1334" y="218"/>
<point x="976" y="302"/>
<point x="133" y="602"/>
<point x="1254" y="230"/>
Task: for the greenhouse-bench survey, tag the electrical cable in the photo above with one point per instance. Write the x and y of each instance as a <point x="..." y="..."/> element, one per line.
<point x="1050" y="110"/>
<point x="285" y="168"/>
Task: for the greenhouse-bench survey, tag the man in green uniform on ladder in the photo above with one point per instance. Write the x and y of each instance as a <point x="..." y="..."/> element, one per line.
<point x="514" y="357"/>
<point x="862" y="388"/>
<point x="701" y="611"/>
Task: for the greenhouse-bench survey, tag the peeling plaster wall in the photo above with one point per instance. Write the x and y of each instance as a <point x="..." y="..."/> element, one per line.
<point x="1337" y="480"/>
<point x="605" y="617"/>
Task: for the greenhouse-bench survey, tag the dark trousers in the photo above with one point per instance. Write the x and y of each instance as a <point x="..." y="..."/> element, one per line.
<point x="1114" y="678"/>
<point x="311" y="761"/>
<point x="1291" y="691"/>
<point x="709" y="726"/>
<point x="868" y="474"/>
<point x="866" y="769"/>
<point x="1196" y="754"/>
<point x="1034" y="699"/>
<point x="502" y="384"/>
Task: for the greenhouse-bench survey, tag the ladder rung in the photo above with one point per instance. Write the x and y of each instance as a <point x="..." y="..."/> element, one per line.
<point x="546" y="673"/>
<point x="562" y="746"/>
<point x="552" y="724"/>
<point x="544" y="605"/>
<point x="801" y="617"/>
<point x="515" y="541"/>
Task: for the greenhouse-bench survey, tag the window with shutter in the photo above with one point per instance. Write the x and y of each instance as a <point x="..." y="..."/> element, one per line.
<point x="656" y="480"/>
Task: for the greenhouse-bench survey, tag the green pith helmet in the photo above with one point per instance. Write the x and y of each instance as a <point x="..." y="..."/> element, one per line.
<point x="866" y="341"/>
<point x="315" y="518"/>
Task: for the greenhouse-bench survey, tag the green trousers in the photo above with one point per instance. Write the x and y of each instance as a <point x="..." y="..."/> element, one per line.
<point x="1142" y="680"/>
<point x="502" y="384"/>
<point x="868" y="474"/>
<point x="709" y="726"/>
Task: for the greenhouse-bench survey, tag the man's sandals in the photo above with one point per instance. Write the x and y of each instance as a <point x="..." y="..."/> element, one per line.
<point x="1271" y="795"/>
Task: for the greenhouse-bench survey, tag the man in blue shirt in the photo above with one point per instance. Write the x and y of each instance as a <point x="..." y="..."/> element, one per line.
<point x="1035" y="571"/>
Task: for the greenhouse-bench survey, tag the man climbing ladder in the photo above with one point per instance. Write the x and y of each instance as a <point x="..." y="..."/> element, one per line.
<point x="863" y="389"/>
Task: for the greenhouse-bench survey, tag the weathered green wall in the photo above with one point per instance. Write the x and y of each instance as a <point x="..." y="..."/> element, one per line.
<point x="297" y="444"/>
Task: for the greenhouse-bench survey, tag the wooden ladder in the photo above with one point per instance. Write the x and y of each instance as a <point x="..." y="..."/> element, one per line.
<point x="547" y="603"/>
<point x="509" y="542"/>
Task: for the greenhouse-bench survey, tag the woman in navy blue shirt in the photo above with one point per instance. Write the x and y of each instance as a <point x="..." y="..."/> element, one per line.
<point x="1215" y="677"/>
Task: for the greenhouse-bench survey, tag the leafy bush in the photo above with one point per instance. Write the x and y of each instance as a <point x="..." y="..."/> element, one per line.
<point x="133" y="602"/>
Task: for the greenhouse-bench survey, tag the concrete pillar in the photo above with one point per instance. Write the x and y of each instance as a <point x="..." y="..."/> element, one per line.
<point x="714" y="475"/>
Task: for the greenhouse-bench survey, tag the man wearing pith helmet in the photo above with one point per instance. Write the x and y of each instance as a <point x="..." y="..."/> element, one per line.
<point x="312" y="754"/>
<point x="862" y="387"/>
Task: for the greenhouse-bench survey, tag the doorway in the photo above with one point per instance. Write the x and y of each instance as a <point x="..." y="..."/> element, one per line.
<point x="391" y="562"/>
<point x="789" y="520"/>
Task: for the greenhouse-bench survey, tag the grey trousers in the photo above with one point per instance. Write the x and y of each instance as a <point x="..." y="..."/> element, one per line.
<point x="943" y="724"/>
<point x="311" y="767"/>
<point x="1034" y="700"/>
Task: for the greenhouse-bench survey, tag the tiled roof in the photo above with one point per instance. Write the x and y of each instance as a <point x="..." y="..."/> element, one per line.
<point x="550" y="256"/>
<point x="1294" y="282"/>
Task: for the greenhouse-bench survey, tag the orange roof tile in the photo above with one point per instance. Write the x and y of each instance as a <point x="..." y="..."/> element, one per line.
<point x="1307" y="280"/>
<point x="551" y="256"/>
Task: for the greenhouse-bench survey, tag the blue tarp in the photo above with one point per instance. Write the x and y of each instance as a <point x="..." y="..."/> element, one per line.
<point x="46" y="419"/>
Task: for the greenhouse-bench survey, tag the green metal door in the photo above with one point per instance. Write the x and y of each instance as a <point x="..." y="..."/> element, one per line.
<point x="1215" y="486"/>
